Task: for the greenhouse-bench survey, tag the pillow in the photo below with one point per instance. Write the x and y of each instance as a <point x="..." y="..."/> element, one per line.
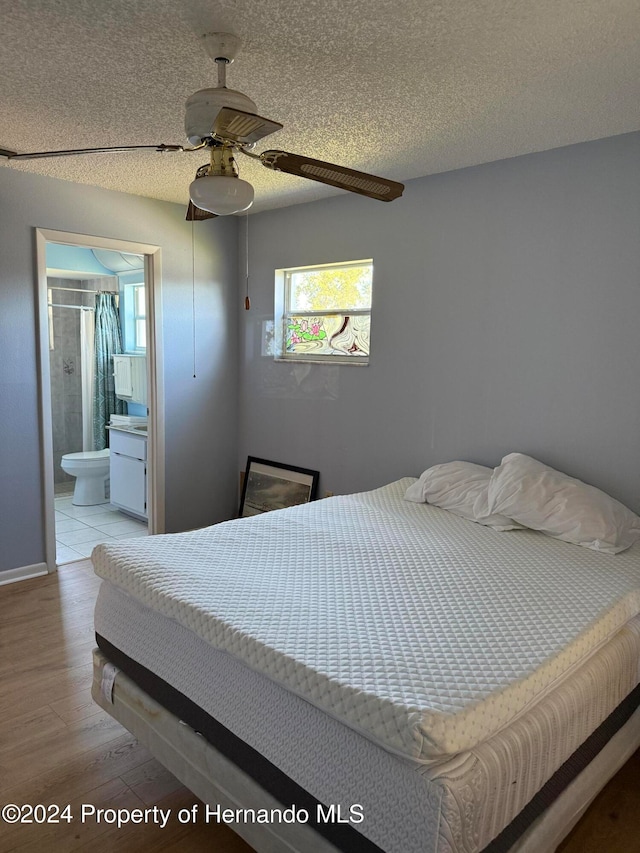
<point x="462" y="488"/>
<point x="560" y="506"/>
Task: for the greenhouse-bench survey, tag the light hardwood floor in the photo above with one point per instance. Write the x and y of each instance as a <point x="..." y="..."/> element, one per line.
<point x="57" y="747"/>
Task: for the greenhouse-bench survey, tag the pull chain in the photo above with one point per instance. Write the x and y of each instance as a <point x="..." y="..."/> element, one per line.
<point x="247" y="301"/>
<point x="193" y="294"/>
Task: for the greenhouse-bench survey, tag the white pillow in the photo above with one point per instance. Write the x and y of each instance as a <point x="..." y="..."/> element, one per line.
<point x="462" y="488"/>
<point x="560" y="506"/>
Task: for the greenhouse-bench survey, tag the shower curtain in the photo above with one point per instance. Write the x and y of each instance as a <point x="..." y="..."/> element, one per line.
<point x="108" y="342"/>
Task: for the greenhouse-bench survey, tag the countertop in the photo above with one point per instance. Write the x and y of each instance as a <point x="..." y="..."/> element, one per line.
<point x="135" y="430"/>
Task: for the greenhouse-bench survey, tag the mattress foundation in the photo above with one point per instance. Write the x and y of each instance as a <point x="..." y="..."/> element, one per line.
<point x="220" y="783"/>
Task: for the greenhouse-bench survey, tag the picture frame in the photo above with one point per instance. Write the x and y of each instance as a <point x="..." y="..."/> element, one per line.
<point x="271" y="485"/>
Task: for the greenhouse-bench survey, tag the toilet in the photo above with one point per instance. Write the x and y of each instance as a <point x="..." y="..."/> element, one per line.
<point x="91" y="470"/>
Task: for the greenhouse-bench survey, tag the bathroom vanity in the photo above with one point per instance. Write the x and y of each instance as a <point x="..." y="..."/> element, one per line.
<point x="128" y="469"/>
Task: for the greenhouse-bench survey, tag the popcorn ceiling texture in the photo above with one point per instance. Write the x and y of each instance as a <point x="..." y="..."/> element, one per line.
<point x="400" y="89"/>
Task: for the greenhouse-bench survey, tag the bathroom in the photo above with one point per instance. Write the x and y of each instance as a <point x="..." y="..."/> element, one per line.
<point x="80" y="284"/>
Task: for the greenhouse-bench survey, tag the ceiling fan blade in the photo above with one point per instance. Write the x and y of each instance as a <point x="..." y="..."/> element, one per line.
<point x="36" y="155"/>
<point x="195" y="214"/>
<point x="243" y="128"/>
<point x="336" y="176"/>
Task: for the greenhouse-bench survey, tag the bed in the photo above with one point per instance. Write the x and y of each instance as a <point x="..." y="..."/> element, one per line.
<point x="368" y="674"/>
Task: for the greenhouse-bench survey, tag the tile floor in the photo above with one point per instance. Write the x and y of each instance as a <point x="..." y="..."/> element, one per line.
<point x="80" y="528"/>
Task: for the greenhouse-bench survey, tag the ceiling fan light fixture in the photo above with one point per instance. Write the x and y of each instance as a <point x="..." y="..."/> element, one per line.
<point x="221" y="194"/>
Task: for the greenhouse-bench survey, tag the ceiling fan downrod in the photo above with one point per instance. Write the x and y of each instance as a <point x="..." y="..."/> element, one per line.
<point x="222" y="72"/>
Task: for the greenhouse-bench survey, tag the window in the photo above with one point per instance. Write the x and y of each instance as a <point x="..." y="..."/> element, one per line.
<point x="324" y="313"/>
<point x="134" y="317"/>
<point x="139" y="317"/>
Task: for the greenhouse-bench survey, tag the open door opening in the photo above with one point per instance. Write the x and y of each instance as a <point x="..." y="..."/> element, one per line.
<point x="101" y="404"/>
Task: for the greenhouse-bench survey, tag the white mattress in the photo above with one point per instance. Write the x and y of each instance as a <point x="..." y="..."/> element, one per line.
<point x="459" y="805"/>
<point x="423" y="631"/>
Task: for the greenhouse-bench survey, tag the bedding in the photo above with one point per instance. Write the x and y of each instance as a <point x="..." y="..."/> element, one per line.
<point x="423" y="633"/>
<point x="462" y="488"/>
<point x="544" y="499"/>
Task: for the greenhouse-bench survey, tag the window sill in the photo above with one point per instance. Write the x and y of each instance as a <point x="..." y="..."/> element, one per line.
<point x="329" y="359"/>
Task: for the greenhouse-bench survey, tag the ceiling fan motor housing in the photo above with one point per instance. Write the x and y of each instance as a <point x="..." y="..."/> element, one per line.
<point x="204" y="105"/>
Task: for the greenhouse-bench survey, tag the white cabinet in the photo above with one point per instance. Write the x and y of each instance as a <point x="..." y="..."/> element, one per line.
<point x="130" y="378"/>
<point x="128" y="472"/>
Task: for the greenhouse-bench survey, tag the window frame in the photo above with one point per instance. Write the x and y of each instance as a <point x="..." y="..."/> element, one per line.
<point x="137" y="317"/>
<point x="283" y="312"/>
<point x="131" y="318"/>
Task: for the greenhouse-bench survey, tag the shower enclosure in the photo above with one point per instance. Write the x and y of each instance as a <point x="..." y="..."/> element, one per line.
<point x="71" y="315"/>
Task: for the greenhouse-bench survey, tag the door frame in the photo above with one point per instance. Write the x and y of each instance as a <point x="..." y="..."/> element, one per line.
<point x="156" y="434"/>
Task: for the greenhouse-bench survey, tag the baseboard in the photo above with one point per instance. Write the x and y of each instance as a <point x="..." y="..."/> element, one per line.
<point x="22" y="573"/>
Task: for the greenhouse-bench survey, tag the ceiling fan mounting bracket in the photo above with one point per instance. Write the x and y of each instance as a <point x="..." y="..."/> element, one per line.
<point x="221" y="46"/>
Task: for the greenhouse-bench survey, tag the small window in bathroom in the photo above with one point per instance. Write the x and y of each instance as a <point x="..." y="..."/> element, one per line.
<point x="139" y="316"/>
<point x="134" y="320"/>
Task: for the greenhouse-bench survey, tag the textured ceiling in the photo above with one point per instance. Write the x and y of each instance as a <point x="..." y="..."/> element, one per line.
<point x="400" y="89"/>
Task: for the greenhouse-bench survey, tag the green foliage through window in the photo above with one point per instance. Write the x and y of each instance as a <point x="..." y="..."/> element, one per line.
<point x="348" y="288"/>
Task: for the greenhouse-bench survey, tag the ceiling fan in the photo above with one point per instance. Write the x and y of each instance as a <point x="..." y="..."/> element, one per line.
<point x="225" y="122"/>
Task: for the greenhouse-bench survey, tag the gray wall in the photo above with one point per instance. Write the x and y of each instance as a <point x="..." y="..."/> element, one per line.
<point x="201" y="474"/>
<point x="505" y="317"/>
<point x="506" y="308"/>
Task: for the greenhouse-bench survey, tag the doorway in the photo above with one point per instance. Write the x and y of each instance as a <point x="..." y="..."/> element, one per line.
<point x="121" y="271"/>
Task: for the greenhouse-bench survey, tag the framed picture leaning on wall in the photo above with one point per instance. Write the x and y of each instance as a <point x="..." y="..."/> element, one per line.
<point x="272" y="485"/>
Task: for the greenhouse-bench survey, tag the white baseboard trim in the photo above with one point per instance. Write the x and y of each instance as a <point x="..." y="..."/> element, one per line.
<point x="22" y="573"/>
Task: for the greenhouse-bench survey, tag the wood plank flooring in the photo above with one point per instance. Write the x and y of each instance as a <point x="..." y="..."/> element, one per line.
<point x="57" y="747"/>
